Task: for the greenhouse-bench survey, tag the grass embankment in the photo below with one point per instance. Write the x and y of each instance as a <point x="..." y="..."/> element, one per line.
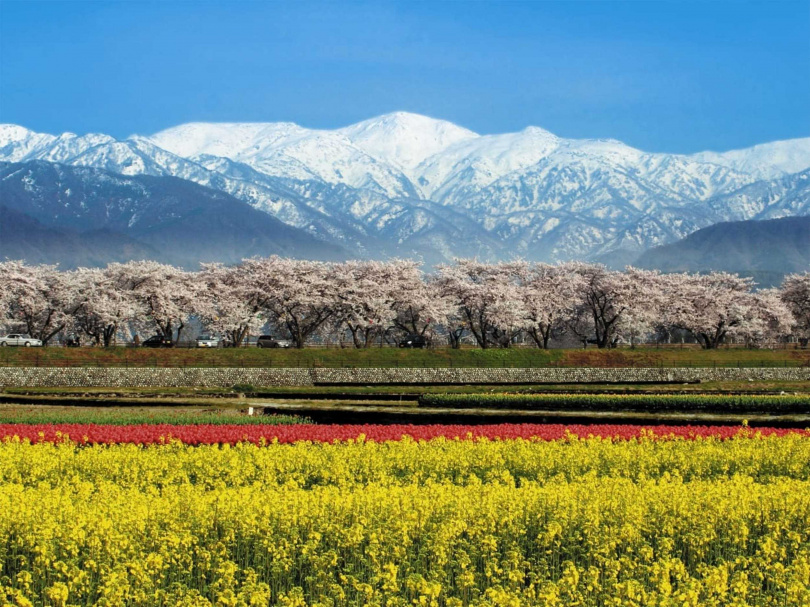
<point x="44" y="414"/>
<point x="396" y="357"/>
<point x="649" y="403"/>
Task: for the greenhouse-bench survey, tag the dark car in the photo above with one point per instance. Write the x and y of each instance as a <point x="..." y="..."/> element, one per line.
<point x="268" y="341"/>
<point x="73" y="341"/>
<point x="157" y="341"/>
<point x="413" y="341"/>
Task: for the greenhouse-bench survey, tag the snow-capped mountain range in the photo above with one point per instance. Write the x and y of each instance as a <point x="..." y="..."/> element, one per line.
<point x="408" y="185"/>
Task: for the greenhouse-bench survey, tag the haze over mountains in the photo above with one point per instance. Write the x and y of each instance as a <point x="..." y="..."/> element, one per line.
<point x="410" y="186"/>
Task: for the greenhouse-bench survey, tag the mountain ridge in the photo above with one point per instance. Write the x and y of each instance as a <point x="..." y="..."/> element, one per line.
<point x="530" y="193"/>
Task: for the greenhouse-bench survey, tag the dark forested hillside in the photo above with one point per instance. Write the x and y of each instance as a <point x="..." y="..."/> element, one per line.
<point x="23" y="237"/>
<point x="766" y="250"/>
<point x="86" y="216"/>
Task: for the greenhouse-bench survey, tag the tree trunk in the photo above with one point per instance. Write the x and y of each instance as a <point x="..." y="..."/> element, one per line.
<point x="479" y="331"/>
<point x="540" y="334"/>
<point x="454" y="336"/>
<point x="297" y="335"/>
<point x="355" y="333"/>
<point x="238" y="336"/>
<point x="166" y="329"/>
<point x="108" y="333"/>
<point x="712" y="341"/>
<point x="482" y="340"/>
<point x="46" y="338"/>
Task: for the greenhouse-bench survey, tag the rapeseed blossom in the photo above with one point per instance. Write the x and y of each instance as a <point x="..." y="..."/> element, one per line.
<point x="712" y="521"/>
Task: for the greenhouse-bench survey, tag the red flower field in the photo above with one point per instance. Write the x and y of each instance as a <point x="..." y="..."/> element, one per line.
<point x="201" y="434"/>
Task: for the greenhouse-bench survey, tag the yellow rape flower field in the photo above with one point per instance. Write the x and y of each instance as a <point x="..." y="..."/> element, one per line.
<point x="582" y="522"/>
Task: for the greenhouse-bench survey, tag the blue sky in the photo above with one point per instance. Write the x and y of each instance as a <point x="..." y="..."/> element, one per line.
<point x="662" y="76"/>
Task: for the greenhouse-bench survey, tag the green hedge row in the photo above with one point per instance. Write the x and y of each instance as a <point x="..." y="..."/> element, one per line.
<point x="623" y="402"/>
<point x="124" y="417"/>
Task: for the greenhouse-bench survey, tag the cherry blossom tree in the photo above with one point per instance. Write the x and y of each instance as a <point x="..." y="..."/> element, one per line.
<point x="548" y="296"/>
<point x="646" y="298"/>
<point x="38" y="300"/>
<point x="506" y="309"/>
<point x="609" y="302"/>
<point x="449" y="318"/>
<point x="486" y="297"/>
<point x="767" y="318"/>
<point x="226" y="305"/>
<point x="167" y="295"/>
<point x="711" y="306"/>
<point x="372" y="300"/>
<point x="365" y="292"/>
<point x="795" y="293"/>
<point x="419" y="309"/>
<point x="105" y="304"/>
<point x="298" y="295"/>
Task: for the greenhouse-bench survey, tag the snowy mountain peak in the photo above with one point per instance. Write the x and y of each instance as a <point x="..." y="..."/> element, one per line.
<point x="227" y="139"/>
<point x="12" y="133"/>
<point x="538" y="133"/>
<point x="405" y="139"/>
<point x="766" y="160"/>
<point x="378" y="153"/>
<point x="16" y="142"/>
<point x="482" y="160"/>
<point x="406" y="121"/>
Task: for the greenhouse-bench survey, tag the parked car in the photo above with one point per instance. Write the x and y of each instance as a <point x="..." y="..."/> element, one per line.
<point x="73" y="341"/>
<point x="413" y="341"/>
<point x="208" y="341"/>
<point x="20" y="339"/>
<point x="157" y="341"/>
<point x="268" y="341"/>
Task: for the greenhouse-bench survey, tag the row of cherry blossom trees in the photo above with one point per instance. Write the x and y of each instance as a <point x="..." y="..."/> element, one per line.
<point x="368" y="302"/>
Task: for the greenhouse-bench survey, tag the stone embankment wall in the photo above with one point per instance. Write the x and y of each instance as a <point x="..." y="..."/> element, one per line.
<point x="118" y="377"/>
